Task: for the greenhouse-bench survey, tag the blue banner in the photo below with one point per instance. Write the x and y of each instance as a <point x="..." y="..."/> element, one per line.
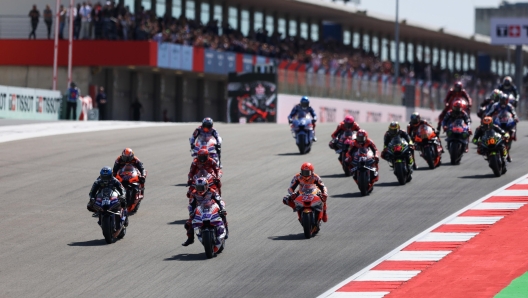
<point x="221" y="63"/>
<point x="261" y="60"/>
<point x="210" y="65"/>
<point x="230" y="61"/>
<point x="175" y="56"/>
<point x="247" y="63"/>
<point x="187" y="58"/>
<point x="163" y="55"/>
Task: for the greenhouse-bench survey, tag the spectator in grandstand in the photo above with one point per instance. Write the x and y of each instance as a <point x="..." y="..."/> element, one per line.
<point x="102" y="102"/>
<point x="77" y="19"/>
<point x="48" y="19"/>
<point x="97" y="20"/>
<point x="86" y="18"/>
<point x="62" y="21"/>
<point x="136" y="108"/>
<point x="34" y="15"/>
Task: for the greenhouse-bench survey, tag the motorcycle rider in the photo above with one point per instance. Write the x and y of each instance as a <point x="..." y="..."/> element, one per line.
<point x="362" y="141"/>
<point x="201" y="193"/>
<point x="304" y="106"/>
<point x="204" y="162"/>
<point x="128" y="157"/>
<point x="454" y="93"/>
<point x="348" y="124"/>
<point x="393" y="131"/>
<point x="206" y="129"/>
<point x="458" y="113"/>
<point x="507" y="87"/>
<point x="415" y="123"/>
<point x="106" y="179"/>
<point x="487" y="124"/>
<point x="494" y="97"/>
<point x="503" y="105"/>
<point x="306" y="176"/>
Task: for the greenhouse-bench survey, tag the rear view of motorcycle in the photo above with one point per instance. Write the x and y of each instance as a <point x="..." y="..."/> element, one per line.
<point x="112" y="216"/>
<point x="399" y="155"/>
<point x="302" y="132"/>
<point x="342" y="147"/>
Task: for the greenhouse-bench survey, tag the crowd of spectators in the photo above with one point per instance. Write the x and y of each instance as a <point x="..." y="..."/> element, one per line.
<point x="115" y="22"/>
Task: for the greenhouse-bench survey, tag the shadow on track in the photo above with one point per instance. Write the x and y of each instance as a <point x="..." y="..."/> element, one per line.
<point x="478" y="176"/>
<point x="187" y="257"/>
<point x="349" y="195"/>
<point x="177" y="222"/>
<point x="385" y="184"/>
<point x="288" y="237"/>
<point x="342" y="175"/>
<point x="181" y="184"/>
<point x="96" y="242"/>
<point x="288" y="154"/>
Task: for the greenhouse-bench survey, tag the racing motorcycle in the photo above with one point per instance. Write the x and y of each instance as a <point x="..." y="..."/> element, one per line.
<point x="207" y="142"/>
<point x="112" y="216"/>
<point x="342" y="147"/>
<point x="363" y="170"/>
<point x="491" y="144"/>
<point x="129" y="178"/>
<point x="309" y="207"/>
<point x="302" y="132"/>
<point x="211" y="179"/>
<point x="505" y="121"/>
<point x="209" y="227"/>
<point x="398" y="155"/>
<point x="457" y="140"/>
<point x="428" y="143"/>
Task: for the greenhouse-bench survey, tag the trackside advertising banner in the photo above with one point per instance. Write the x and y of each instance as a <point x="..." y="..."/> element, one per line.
<point x="509" y="31"/>
<point x="252" y="97"/>
<point x="335" y="110"/>
<point x="26" y="103"/>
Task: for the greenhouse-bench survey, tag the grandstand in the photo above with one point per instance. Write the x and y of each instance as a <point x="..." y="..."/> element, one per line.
<point x="183" y="49"/>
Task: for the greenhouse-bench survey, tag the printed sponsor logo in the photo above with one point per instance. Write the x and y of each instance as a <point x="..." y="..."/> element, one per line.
<point x="25" y="103"/>
<point x="394" y="117"/>
<point x="51" y="105"/>
<point x="3" y="101"/>
<point x="353" y="113"/>
<point x="327" y="114"/>
<point x="13" y="102"/>
<point x="511" y="30"/>
<point x="373" y="116"/>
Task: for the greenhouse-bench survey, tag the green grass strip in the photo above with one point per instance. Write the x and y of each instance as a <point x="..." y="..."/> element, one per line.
<point x="518" y="288"/>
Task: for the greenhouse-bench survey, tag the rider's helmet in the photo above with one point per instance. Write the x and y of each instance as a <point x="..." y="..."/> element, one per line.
<point x="507" y="82"/>
<point x="361" y="136"/>
<point x="495" y="95"/>
<point x="457" y="107"/>
<point x="207" y="124"/>
<point x="504" y="100"/>
<point x="415" y="118"/>
<point x="307" y="170"/>
<point x="458" y="86"/>
<point x="72" y="85"/>
<point x="201" y="185"/>
<point x="105" y="175"/>
<point x="349" y="122"/>
<point x="127" y="155"/>
<point x="487" y="122"/>
<point x="305" y="102"/>
<point x="394" y="127"/>
<point x="203" y="155"/>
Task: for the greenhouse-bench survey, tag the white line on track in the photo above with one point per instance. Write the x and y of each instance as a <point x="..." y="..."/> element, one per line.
<point x="407" y="255"/>
<point x="358" y="294"/>
<point x="447" y="237"/>
<point x="396" y="254"/>
<point x="388" y="275"/>
<point x="498" y="206"/>
<point x="475" y="220"/>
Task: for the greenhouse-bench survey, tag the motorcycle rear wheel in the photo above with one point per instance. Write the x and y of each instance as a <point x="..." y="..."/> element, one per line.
<point x="428" y="155"/>
<point x="399" y="170"/>
<point x="363" y="182"/>
<point x="455" y="151"/>
<point x="495" y="165"/>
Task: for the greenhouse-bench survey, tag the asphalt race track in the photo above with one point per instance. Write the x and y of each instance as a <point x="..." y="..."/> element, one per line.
<point x="50" y="246"/>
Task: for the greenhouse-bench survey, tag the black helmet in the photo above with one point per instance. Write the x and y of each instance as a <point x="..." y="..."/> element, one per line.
<point x="207" y="124"/>
<point x="507" y="81"/>
<point x="105" y="175"/>
<point x="415" y="118"/>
